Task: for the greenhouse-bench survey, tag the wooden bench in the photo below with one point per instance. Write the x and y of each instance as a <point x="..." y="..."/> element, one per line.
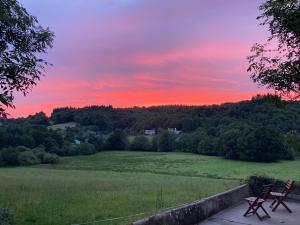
<point x="279" y="197"/>
<point x="257" y="202"/>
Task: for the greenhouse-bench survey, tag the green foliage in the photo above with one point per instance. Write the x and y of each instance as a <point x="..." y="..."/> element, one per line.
<point x="117" y="141"/>
<point x="229" y="130"/>
<point x="24" y="156"/>
<point x="207" y="144"/>
<point x="24" y="140"/>
<point x="188" y="142"/>
<point x="38" y="119"/>
<point x="229" y="143"/>
<point x="22" y="149"/>
<point x="22" y="42"/>
<point x="85" y="149"/>
<point x="140" y="143"/>
<point x="166" y="141"/>
<point x="292" y="142"/>
<point x="47" y="158"/>
<point x="6" y="216"/>
<point x="95" y="139"/>
<point x="70" y="149"/>
<point x="50" y="144"/>
<point x="3" y="138"/>
<point x="267" y="110"/>
<point x="256" y="183"/>
<point x="10" y="156"/>
<point x="262" y="145"/>
<point x="27" y="158"/>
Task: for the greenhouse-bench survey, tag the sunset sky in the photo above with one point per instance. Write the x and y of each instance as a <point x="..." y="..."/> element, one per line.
<point x="144" y="52"/>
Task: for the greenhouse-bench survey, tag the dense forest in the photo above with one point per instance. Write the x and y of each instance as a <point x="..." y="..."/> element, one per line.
<point x="265" y="128"/>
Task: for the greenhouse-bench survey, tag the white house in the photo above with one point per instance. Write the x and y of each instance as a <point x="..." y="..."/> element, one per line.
<point x="174" y="130"/>
<point x="149" y="132"/>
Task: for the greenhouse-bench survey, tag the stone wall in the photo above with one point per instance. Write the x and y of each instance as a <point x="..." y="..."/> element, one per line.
<point x="198" y="210"/>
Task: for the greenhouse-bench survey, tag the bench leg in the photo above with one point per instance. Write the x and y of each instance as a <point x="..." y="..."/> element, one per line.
<point x="272" y="204"/>
<point x="276" y="206"/>
<point x="265" y="212"/>
<point x="287" y="208"/>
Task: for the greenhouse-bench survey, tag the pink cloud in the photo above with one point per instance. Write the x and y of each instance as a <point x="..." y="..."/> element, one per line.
<point x="127" y="53"/>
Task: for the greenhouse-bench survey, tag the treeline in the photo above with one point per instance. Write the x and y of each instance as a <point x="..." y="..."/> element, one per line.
<point x="261" y="110"/>
<point x="263" y="129"/>
<point x="240" y="142"/>
<point x="28" y="144"/>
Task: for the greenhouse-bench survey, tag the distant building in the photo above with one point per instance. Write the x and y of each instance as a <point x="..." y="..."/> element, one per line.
<point x="174" y="130"/>
<point x="149" y="132"/>
<point x="77" y="142"/>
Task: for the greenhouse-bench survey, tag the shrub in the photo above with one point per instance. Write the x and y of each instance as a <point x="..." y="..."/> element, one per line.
<point x="37" y="150"/>
<point x="262" y="145"/>
<point x="10" y="156"/>
<point x="22" y="149"/>
<point x="86" y="149"/>
<point x="292" y="142"/>
<point x="71" y="150"/>
<point x="116" y="141"/>
<point x="154" y="144"/>
<point x="50" y="144"/>
<point x="140" y="143"/>
<point x="28" y="158"/>
<point x="207" y="146"/>
<point x="256" y="183"/>
<point x="6" y="216"/>
<point x="1" y="160"/>
<point x="188" y="142"/>
<point x="97" y="141"/>
<point x="24" y="140"/>
<point x="47" y="158"/>
<point x="166" y="141"/>
<point x="58" y="151"/>
<point x="229" y="144"/>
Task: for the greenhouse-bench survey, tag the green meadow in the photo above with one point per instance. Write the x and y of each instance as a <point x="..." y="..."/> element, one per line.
<point x="117" y="184"/>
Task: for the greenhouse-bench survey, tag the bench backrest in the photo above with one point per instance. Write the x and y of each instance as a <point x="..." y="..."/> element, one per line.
<point x="288" y="187"/>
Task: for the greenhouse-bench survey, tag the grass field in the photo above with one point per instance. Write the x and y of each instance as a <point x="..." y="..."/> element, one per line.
<point x="117" y="184"/>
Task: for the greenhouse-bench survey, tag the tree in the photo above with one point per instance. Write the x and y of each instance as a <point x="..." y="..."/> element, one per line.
<point x="166" y="141"/>
<point x="50" y="144"/>
<point x="278" y="68"/>
<point x="25" y="140"/>
<point x="292" y="141"/>
<point x="38" y="119"/>
<point x="10" y="156"/>
<point x="140" y="143"/>
<point x="116" y="141"/>
<point x="86" y="149"/>
<point x="230" y="143"/>
<point x="28" y="158"/>
<point x="208" y="146"/>
<point x="262" y="145"/>
<point x="22" y="40"/>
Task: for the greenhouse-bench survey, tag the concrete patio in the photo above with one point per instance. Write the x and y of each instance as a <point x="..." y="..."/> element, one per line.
<point x="234" y="216"/>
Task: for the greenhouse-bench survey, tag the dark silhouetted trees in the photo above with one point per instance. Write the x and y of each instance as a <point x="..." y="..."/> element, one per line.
<point x="276" y="63"/>
<point x="22" y="42"/>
